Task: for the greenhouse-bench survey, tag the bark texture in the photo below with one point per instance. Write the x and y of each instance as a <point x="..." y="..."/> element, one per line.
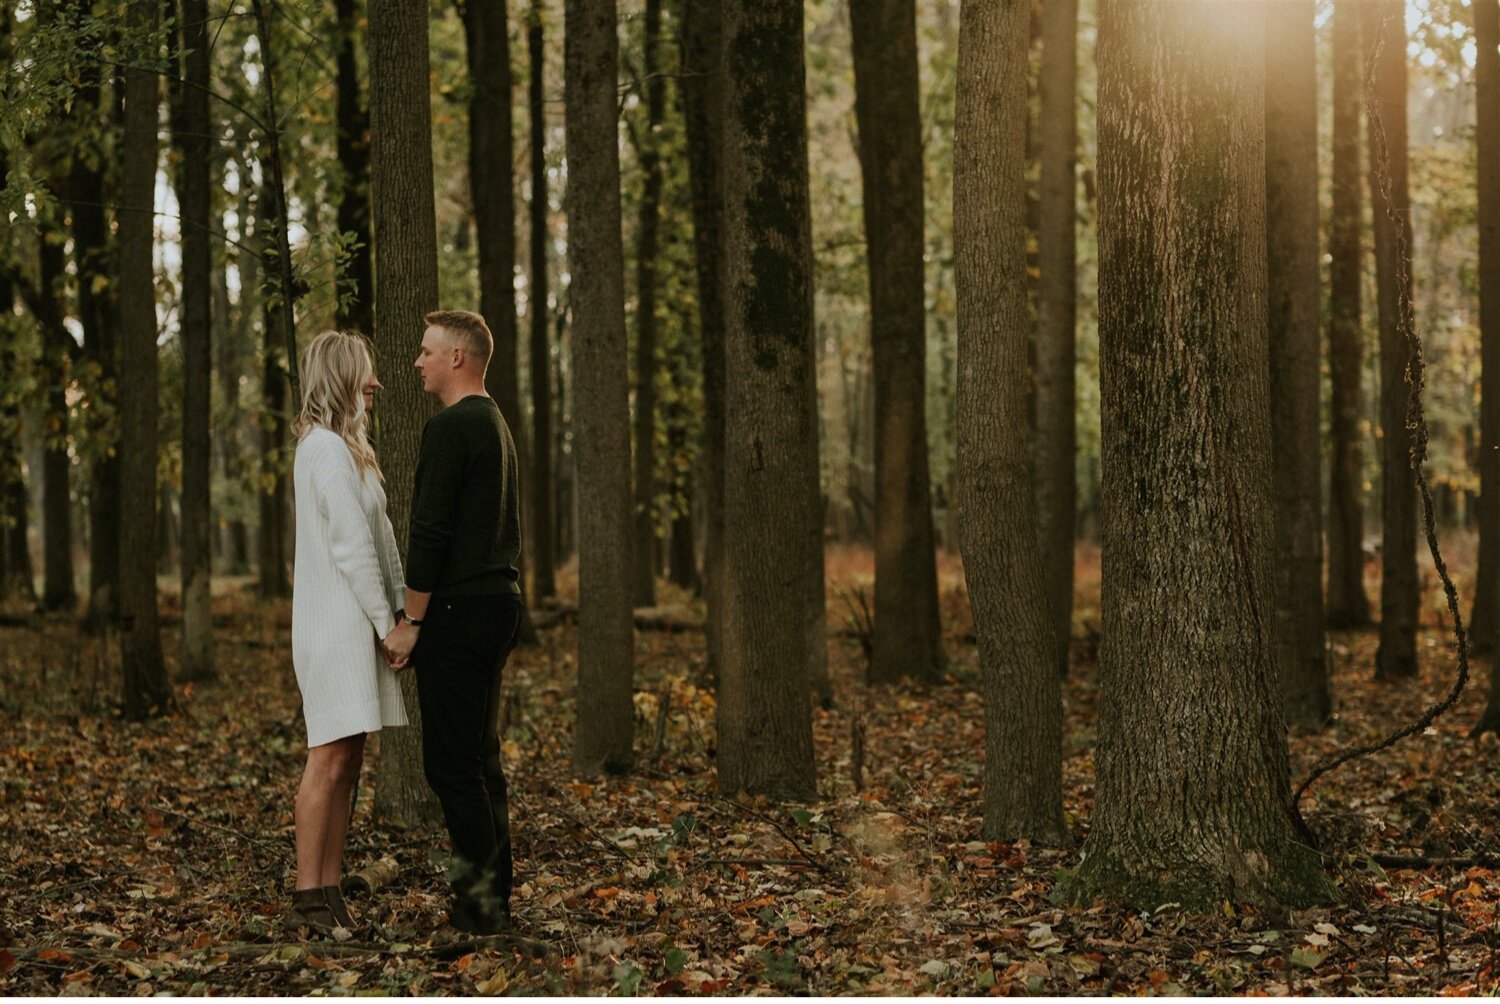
<point x="997" y="522"/>
<point x="145" y="675"/>
<point x="643" y="572"/>
<point x="606" y="656"/>
<point x="1348" y="605"/>
<point x="543" y="581"/>
<point x="1057" y="294"/>
<point x="272" y="545"/>
<point x="1383" y="33"/>
<point x="1292" y="307"/>
<point x="58" y="589"/>
<point x="1193" y="801"/>
<point x="406" y="287"/>
<point x="907" y="635"/>
<point x="772" y="518"/>
<point x="355" y="279"/>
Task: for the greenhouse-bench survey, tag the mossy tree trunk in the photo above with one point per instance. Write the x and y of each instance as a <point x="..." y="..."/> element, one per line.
<point x="1193" y="792"/>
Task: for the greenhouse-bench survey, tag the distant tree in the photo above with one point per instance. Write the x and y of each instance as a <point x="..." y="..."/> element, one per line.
<point x="15" y="557"/>
<point x="1057" y="294"/>
<point x="1485" y="626"/>
<point x="1348" y="606"/>
<point x="997" y="525"/>
<point x="1383" y="34"/>
<point x="606" y="654"/>
<point x="355" y="280"/>
<point x="55" y="369"/>
<point x="643" y="571"/>
<point x="773" y="530"/>
<point x="272" y="542"/>
<point x="540" y="486"/>
<point x="145" y="676"/>
<point x="907" y="634"/>
<point x="1194" y="799"/>
<point x="1292" y="276"/>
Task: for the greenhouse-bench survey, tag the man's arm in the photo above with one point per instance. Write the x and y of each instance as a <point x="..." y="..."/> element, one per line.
<point x="439" y="477"/>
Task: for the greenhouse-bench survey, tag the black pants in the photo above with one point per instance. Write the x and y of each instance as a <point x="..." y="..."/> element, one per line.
<point x="459" y="654"/>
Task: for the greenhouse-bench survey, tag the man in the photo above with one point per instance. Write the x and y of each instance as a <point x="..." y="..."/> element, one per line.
<point x="463" y="609"/>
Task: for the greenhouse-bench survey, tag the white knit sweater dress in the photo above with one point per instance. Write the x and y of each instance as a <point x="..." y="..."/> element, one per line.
<point x="347" y="583"/>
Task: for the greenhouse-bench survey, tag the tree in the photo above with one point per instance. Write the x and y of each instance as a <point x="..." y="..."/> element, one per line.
<point x="54" y="367"/>
<point x="193" y="135"/>
<point x="145" y="676"/>
<point x="355" y="280"/>
<point x="643" y="572"/>
<point x="773" y="527"/>
<point x="271" y="542"/>
<point x="1057" y="214"/>
<point x="1193" y="794"/>
<point x="1383" y="33"/>
<point x="540" y="488"/>
<point x="702" y="96"/>
<point x="1292" y="274"/>
<point x="907" y="633"/>
<point x="997" y="523"/>
<point x="15" y="556"/>
<point x="605" y="728"/>
<point x="406" y="287"/>
<point x="1348" y="606"/>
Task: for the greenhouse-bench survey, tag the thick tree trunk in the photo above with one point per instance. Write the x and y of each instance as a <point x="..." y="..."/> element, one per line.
<point x="15" y="558"/>
<point x="602" y="427"/>
<point x="1348" y="606"/>
<point x="58" y="589"/>
<point x="1383" y="32"/>
<point x="543" y="582"/>
<point x="406" y="287"/>
<point x="194" y="141"/>
<point x="907" y="635"/>
<point x="773" y="533"/>
<point x="145" y="675"/>
<point x="1485" y="623"/>
<point x="998" y="529"/>
<point x="1057" y="438"/>
<point x="1193" y="801"/>
<point x="355" y="279"/>
<point x="702" y="93"/>
<point x="1292" y="275"/>
<point x="275" y="452"/>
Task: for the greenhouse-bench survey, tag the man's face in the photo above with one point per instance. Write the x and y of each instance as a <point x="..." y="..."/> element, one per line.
<point x="435" y="359"/>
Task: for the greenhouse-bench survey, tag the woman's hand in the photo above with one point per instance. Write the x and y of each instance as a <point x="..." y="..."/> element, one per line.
<point x="398" y="644"/>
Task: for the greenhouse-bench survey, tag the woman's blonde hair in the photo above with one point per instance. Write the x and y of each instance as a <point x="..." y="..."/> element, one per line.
<point x="336" y="365"/>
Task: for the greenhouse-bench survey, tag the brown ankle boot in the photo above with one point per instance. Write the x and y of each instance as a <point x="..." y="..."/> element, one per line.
<point x="336" y="906"/>
<point x="310" y="910"/>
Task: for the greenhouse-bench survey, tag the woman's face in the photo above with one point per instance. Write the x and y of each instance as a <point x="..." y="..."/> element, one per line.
<point x="368" y="390"/>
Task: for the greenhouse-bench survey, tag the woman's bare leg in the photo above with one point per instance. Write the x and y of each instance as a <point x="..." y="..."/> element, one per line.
<point x="326" y="775"/>
<point x="339" y="811"/>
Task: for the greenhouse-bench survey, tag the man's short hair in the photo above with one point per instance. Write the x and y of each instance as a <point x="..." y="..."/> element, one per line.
<point x="468" y="330"/>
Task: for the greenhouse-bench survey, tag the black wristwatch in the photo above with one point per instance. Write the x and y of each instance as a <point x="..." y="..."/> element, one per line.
<point x="415" y="621"/>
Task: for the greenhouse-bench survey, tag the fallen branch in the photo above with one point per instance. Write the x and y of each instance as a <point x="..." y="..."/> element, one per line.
<point x="796" y="845"/>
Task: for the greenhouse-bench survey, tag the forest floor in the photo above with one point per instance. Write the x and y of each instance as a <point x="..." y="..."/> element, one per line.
<point x="142" y="858"/>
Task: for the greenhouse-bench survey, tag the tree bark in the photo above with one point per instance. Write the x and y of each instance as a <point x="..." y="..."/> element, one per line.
<point x="602" y="427"/>
<point x="1348" y="606"/>
<point x="907" y="635"/>
<point x="997" y="524"/>
<point x="773" y="532"/>
<point x="406" y="287"/>
<point x="145" y="676"/>
<point x="702" y="94"/>
<point x="1292" y="276"/>
<point x="271" y="543"/>
<point x="58" y="589"/>
<point x="1383" y="32"/>
<point x="355" y="279"/>
<point x="1193" y="802"/>
<point x="194" y="142"/>
<point x="1057" y="437"/>
<point x="543" y="582"/>
<point x="15" y="557"/>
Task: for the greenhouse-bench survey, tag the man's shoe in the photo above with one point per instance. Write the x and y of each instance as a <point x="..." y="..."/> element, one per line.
<point x="467" y="917"/>
<point x="310" y="911"/>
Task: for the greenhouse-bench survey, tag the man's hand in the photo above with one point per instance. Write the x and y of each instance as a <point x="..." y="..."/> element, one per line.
<point x="399" y="643"/>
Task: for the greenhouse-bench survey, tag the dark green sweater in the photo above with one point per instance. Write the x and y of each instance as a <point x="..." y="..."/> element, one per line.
<point x="465" y="512"/>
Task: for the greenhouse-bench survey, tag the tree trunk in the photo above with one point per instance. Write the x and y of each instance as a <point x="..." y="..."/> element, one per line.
<point x="275" y="451"/>
<point x="1348" y="606"/>
<point x="1485" y="624"/>
<point x="354" y="279"/>
<point x="643" y="570"/>
<point x="998" y="529"/>
<point x="702" y="94"/>
<point x="1057" y="438"/>
<point x="1292" y="276"/>
<point x="543" y="583"/>
<point x="1383" y="33"/>
<point x="773" y="533"/>
<point x="58" y="590"/>
<point x="194" y="141"/>
<point x="15" y="557"/>
<point x="145" y="675"/>
<point x="406" y="287"/>
<point x="1193" y="802"/>
<point x="907" y="636"/>
<point x="605" y="727"/>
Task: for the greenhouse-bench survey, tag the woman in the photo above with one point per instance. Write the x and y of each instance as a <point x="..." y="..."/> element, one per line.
<point x="347" y="587"/>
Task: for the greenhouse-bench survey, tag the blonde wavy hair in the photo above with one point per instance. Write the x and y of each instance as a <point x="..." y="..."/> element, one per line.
<point x="336" y="365"/>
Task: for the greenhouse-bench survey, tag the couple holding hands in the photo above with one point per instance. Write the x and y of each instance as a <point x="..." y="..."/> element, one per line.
<point x="451" y="617"/>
